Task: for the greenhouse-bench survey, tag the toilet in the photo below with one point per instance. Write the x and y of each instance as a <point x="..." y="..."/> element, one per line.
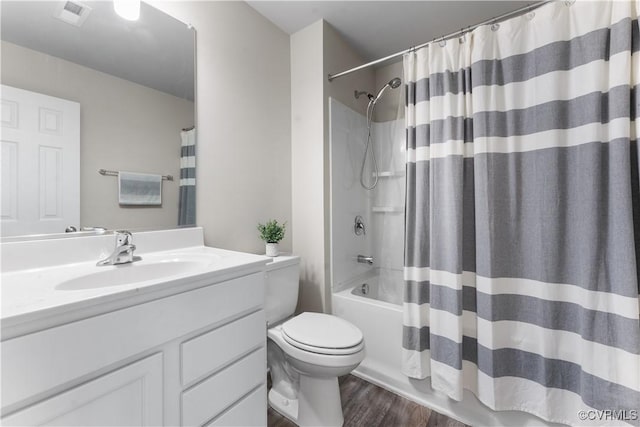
<point x="305" y="353"/>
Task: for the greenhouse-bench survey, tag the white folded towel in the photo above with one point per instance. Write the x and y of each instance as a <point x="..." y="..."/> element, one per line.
<point x="139" y="189"/>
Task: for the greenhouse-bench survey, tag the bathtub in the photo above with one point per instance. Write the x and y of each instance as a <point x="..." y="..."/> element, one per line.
<point x="378" y="313"/>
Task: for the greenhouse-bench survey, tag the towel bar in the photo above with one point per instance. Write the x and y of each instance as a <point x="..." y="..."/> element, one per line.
<point x="115" y="173"/>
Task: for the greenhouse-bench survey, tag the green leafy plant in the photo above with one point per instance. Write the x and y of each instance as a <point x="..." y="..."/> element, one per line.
<point x="272" y="232"/>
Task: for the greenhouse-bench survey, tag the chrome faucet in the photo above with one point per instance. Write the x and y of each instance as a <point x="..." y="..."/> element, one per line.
<point x="365" y="259"/>
<point x="123" y="253"/>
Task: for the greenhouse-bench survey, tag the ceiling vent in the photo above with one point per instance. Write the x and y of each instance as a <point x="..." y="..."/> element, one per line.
<point x="72" y="12"/>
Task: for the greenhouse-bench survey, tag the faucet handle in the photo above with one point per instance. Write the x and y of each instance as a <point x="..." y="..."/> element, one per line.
<point x="358" y="226"/>
<point x="123" y="237"/>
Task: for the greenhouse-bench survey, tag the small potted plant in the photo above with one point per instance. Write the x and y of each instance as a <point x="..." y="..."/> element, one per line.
<point x="272" y="233"/>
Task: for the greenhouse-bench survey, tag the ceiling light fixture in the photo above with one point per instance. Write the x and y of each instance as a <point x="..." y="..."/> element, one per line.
<point x="127" y="9"/>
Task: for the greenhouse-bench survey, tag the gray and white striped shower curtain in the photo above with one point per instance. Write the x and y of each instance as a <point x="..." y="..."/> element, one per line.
<point x="187" y="202"/>
<point x="523" y="214"/>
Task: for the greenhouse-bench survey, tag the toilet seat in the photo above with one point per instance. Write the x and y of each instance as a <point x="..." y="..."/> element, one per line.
<point x="322" y="350"/>
<point x="323" y="334"/>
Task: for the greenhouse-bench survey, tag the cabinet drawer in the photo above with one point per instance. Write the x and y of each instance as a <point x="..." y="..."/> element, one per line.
<point x="249" y="412"/>
<point x="207" y="353"/>
<point x="207" y="399"/>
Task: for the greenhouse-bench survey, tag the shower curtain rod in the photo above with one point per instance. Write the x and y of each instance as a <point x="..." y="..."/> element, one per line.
<point x="500" y="18"/>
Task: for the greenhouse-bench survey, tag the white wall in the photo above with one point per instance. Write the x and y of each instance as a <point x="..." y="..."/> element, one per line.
<point x="124" y="126"/>
<point x="338" y="56"/>
<point x="243" y="119"/>
<point x="307" y="151"/>
<point x="391" y="105"/>
<point x="316" y="51"/>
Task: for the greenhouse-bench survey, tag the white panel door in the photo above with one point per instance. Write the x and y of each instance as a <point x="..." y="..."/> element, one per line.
<point x="129" y="396"/>
<point x="40" y="174"/>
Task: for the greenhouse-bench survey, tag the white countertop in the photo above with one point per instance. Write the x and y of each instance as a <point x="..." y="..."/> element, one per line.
<point x="39" y="298"/>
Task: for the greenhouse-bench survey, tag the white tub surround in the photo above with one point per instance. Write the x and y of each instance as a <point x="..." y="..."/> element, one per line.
<point x="177" y="338"/>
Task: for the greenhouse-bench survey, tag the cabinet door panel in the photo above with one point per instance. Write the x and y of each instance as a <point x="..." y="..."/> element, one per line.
<point x="129" y="396"/>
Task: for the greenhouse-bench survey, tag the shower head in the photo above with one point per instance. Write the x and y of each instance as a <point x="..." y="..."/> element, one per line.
<point x="393" y="84"/>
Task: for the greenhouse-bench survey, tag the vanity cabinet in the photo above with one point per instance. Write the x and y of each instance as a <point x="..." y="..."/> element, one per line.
<point x="192" y="358"/>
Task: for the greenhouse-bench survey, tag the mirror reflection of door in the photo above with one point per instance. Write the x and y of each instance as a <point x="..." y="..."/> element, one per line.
<point x="135" y="83"/>
<point x="40" y="163"/>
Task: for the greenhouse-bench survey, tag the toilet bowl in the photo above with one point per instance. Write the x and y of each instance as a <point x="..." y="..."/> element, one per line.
<point x="306" y="353"/>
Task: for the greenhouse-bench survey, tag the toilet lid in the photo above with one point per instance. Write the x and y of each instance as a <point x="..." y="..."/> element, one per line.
<point x="322" y="331"/>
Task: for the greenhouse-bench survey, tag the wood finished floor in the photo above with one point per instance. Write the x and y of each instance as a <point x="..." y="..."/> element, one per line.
<point x="367" y="405"/>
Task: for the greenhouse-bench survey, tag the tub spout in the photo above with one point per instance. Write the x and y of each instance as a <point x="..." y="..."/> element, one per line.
<point x="365" y="259"/>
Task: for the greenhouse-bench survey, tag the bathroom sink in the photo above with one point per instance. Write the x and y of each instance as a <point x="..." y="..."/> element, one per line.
<point x="54" y="282"/>
<point x="135" y="272"/>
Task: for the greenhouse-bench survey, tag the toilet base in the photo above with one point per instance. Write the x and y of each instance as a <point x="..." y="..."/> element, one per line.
<point x="288" y="408"/>
<point x="318" y="403"/>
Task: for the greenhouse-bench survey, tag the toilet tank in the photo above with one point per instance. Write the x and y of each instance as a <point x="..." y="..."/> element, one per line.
<point x="281" y="293"/>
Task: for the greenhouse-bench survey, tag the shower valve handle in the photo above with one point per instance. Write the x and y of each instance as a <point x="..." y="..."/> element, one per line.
<point x="358" y="226"/>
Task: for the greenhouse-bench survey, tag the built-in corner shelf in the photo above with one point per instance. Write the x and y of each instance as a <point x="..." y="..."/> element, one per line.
<point x="387" y="209"/>
<point x="389" y="174"/>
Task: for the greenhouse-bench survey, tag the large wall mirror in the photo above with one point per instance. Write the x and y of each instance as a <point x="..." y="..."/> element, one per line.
<point x="84" y="90"/>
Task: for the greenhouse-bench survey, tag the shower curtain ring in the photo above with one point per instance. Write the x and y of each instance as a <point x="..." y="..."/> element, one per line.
<point x="442" y="42"/>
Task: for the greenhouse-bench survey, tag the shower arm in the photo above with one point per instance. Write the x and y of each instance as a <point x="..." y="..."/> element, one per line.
<point x="358" y="93"/>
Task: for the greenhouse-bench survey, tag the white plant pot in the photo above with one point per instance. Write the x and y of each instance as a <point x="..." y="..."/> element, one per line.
<point x="272" y="249"/>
